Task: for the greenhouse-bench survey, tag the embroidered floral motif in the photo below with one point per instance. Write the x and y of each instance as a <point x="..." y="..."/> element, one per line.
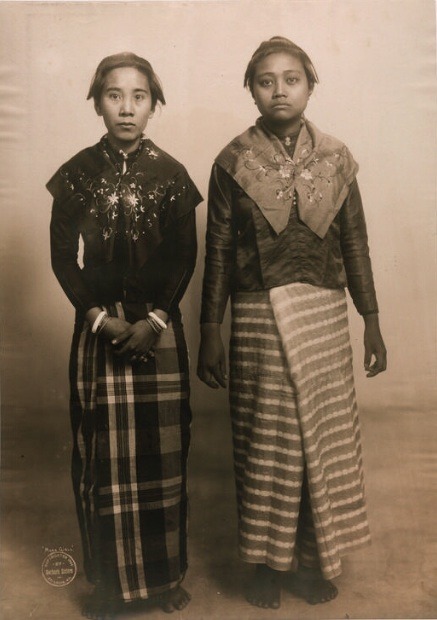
<point x="113" y="199"/>
<point x="308" y="174"/>
<point x="107" y="197"/>
<point x="285" y="171"/>
<point x="151" y="152"/>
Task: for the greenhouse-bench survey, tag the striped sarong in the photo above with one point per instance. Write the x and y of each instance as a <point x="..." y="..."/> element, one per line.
<point x="131" y="430"/>
<point x="294" y="420"/>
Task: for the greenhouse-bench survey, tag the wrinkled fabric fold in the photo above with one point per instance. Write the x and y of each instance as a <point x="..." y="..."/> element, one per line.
<point x="294" y="415"/>
<point x="313" y="325"/>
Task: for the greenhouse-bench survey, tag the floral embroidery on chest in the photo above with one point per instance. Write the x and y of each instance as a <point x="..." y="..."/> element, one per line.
<point x="311" y="172"/>
<point x="141" y="201"/>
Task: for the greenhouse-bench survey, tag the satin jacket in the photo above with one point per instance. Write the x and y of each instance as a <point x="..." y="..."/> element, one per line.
<point x="243" y="253"/>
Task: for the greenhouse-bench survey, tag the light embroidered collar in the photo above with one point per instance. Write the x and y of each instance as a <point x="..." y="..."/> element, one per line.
<point x="320" y="172"/>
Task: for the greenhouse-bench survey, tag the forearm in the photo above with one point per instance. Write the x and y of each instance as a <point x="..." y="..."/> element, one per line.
<point x="355" y="252"/>
<point x="71" y="280"/>
<point x="173" y="289"/>
<point x="215" y="295"/>
<point x="180" y="260"/>
<point x="219" y="256"/>
<point x="64" y="246"/>
<point x="371" y="319"/>
<point x="207" y="329"/>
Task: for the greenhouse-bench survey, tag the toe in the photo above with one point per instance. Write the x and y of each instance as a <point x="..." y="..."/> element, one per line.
<point x="167" y="608"/>
<point x="323" y="592"/>
<point x="181" y="598"/>
<point x="180" y="604"/>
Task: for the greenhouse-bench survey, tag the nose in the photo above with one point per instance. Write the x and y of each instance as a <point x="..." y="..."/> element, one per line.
<point x="279" y="90"/>
<point x="126" y="108"/>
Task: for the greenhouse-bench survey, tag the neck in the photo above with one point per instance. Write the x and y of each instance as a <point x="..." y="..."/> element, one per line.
<point x="126" y="147"/>
<point x="284" y="129"/>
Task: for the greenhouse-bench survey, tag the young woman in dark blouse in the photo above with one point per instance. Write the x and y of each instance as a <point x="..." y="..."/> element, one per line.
<point x="286" y="233"/>
<point x="133" y="205"/>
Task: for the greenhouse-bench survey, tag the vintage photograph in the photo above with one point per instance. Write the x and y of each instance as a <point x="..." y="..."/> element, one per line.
<point x="218" y="309"/>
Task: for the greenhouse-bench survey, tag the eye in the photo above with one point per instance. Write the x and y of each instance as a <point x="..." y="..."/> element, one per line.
<point x="266" y="82"/>
<point x="139" y="97"/>
<point x="292" y="80"/>
<point x="114" y="96"/>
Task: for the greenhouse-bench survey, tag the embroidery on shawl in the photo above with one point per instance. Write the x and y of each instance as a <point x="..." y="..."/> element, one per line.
<point x="320" y="173"/>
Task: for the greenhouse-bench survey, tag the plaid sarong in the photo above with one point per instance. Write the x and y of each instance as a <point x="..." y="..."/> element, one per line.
<point x="294" y="414"/>
<point x="131" y="429"/>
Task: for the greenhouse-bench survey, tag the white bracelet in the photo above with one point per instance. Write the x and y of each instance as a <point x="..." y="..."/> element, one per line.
<point x="98" y="320"/>
<point x="156" y="318"/>
<point x="156" y="328"/>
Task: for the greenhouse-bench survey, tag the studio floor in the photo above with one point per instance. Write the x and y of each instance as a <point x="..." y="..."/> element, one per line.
<point x="396" y="577"/>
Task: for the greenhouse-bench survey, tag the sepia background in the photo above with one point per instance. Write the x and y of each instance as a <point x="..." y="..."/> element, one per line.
<point x="376" y="63"/>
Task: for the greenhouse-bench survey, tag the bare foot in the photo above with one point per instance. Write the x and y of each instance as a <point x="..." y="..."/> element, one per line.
<point x="309" y="584"/>
<point x="100" y="606"/>
<point x="265" y="589"/>
<point x="175" y="599"/>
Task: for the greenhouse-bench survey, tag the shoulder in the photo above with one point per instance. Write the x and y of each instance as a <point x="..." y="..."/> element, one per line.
<point x="162" y="159"/>
<point x="325" y="140"/>
<point x="172" y="176"/>
<point x="85" y="161"/>
<point x="335" y="151"/>
<point x="82" y="157"/>
<point x="243" y="139"/>
<point x="232" y="150"/>
<point x="332" y="144"/>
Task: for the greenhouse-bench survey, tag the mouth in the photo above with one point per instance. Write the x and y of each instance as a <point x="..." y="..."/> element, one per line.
<point x="280" y="105"/>
<point x="126" y="125"/>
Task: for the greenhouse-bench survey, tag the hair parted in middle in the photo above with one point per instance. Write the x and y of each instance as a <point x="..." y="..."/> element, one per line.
<point x="126" y="59"/>
<point x="277" y="45"/>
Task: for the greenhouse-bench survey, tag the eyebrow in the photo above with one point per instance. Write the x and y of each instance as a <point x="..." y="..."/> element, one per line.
<point x="115" y="89"/>
<point x="118" y="89"/>
<point x="298" y="71"/>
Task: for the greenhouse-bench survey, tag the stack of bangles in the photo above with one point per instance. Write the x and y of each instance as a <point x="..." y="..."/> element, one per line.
<point x="157" y="324"/>
<point x="100" y="322"/>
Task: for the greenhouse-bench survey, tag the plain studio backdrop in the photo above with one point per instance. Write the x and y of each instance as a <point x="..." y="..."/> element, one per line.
<point x="376" y="64"/>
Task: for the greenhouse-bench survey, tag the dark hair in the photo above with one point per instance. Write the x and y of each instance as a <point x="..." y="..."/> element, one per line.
<point x="126" y="59"/>
<point x="274" y="46"/>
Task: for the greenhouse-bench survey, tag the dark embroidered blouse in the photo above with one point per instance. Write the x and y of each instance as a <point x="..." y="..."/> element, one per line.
<point x="137" y="221"/>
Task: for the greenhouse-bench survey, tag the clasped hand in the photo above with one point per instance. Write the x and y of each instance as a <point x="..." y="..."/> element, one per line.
<point x="134" y="340"/>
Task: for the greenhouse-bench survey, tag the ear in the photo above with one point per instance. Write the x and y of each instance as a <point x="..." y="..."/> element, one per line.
<point x="97" y="108"/>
